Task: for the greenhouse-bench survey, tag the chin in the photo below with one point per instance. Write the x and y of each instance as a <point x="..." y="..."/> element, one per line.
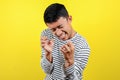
<point x="64" y="39"/>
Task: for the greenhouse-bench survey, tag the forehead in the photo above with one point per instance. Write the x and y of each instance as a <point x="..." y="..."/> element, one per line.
<point x="60" y="21"/>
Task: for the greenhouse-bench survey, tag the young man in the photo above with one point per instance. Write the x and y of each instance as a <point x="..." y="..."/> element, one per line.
<point x="64" y="52"/>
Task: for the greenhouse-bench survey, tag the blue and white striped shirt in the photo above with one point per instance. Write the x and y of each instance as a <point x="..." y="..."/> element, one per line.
<point x="56" y="70"/>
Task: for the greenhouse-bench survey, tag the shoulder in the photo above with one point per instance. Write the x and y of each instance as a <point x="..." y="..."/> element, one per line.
<point x="80" y="41"/>
<point x="47" y="33"/>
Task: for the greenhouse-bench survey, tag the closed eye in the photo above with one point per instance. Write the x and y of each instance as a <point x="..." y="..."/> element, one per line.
<point x="60" y="26"/>
<point x="53" y="29"/>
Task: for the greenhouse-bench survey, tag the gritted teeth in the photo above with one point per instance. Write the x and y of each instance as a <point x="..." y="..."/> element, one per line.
<point x="62" y="36"/>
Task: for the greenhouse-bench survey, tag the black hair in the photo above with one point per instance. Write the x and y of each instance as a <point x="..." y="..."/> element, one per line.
<point x="54" y="11"/>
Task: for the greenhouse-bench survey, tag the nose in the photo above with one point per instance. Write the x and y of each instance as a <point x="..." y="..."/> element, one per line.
<point x="58" y="32"/>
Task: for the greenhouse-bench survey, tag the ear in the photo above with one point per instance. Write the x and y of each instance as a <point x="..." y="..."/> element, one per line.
<point x="70" y="18"/>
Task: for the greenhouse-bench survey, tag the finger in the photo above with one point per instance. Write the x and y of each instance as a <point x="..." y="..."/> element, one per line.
<point x="67" y="48"/>
<point x="61" y="47"/>
<point x="70" y="44"/>
<point x="51" y="42"/>
<point x="44" y="38"/>
<point x="62" y="50"/>
<point x="43" y="42"/>
<point x="41" y="38"/>
<point x="43" y="45"/>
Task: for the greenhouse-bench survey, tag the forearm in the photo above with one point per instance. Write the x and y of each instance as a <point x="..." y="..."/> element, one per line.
<point x="46" y="58"/>
<point x="46" y="65"/>
<point x="72" y="74"/>
<point x="74" y="71"/>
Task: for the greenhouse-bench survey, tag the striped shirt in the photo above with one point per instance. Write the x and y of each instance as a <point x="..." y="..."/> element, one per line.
<point x="56" y="70"/>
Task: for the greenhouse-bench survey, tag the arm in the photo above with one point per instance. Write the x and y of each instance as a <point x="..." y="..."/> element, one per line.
<point x="46" y="65"/>
<point x="74" y="72"/>
<point x="75" y="64"/>
<point x="46" y="59"/>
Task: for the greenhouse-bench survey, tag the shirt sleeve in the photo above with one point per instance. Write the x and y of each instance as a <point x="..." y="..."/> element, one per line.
<point x="45" y="64"/>
<point x="74" y="72"/>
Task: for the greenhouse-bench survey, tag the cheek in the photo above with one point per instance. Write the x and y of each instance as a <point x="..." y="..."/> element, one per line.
<point x="68" y="30"/>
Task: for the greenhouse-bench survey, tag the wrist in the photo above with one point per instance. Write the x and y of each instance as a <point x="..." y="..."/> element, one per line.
<point x="68" y="63"/>
<point x="70" y="60"/>
<point x="49" y="57"/>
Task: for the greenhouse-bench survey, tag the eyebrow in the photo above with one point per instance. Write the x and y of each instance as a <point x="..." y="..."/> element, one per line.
<point x="56" y="27"/>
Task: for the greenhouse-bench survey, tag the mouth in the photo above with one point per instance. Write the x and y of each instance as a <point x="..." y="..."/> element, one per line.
<point x="62" y="36"/>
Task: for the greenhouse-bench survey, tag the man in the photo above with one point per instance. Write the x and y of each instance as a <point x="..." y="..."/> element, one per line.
<point x="64" y="52"/>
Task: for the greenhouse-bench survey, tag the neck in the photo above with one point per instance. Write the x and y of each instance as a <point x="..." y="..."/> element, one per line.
<point x="73" y="34"/>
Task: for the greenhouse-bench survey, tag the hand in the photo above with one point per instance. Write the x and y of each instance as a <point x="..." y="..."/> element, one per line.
<point x="68" y="52"/>
<point x="48" y="46"/>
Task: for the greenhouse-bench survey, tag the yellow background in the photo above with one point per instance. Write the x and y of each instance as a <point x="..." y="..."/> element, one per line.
<point x="21" y="22"/>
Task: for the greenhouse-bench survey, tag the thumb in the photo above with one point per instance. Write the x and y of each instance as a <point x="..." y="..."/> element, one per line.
<point x="52" y="42"/>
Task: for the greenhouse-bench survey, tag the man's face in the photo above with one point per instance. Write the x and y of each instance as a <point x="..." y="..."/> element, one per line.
<point x="61" y="28"/>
